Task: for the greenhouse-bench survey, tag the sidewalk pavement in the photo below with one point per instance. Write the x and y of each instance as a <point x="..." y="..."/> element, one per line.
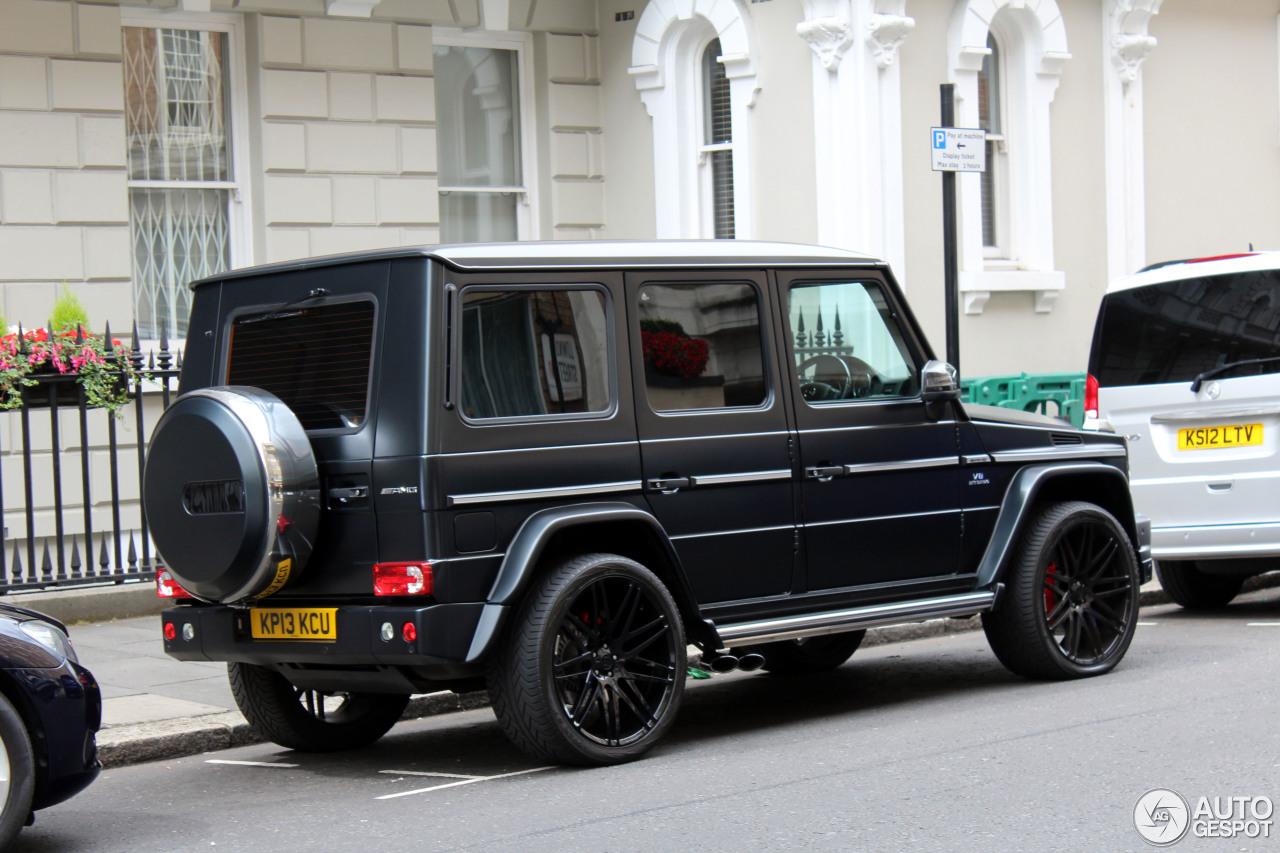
<point x="156" y="708"/>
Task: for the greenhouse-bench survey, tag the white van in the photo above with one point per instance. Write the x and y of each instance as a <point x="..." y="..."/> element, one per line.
<point x="1186" y="365"/>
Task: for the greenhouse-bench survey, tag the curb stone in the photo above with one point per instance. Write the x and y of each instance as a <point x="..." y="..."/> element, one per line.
<point x="135" y="743"/>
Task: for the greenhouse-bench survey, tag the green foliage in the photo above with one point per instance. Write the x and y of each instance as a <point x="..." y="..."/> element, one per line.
<point x="68" y="313"/>
<point x="656" y="324"/>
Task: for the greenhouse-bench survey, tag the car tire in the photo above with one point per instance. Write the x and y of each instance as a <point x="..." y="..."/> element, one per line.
<point x="311" y="720"/>
<point x="17" y="767"/>
<point x="807" y="656"/>
<point x="1070" y="605"/>
<point x="1195" y="589"/>
<point x="593" y="664"/>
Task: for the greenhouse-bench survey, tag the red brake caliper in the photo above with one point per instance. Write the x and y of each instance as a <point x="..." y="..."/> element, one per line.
<point x="1048" y="587"/>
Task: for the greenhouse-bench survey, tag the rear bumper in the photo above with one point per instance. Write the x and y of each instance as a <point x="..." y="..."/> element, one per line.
<point x="1210" y="541"/>
<point x="359" y="658"/>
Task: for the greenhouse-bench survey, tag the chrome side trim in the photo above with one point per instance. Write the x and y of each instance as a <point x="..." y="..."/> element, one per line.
<point x="883" y="517"/>
<point x="1038" y="454"/>
<point x="853" y="619"/>
<point x="464" y="453"/>
<point x="909" y="464"/>
<point x="737" y="532"/>
<point x="1203" y="415"/>
<point x="545" y="494"/>
<point x="743" y="477"/>
<point x="976" y="459"/>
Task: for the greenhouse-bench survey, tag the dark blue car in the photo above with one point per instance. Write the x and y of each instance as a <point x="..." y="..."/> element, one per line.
<point x="50" y="711"/>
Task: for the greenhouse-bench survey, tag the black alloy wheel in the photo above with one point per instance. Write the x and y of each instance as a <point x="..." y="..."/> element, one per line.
<point x="1071" y="603"/>
<point x="594" y="664"/>
<point x="311" y="720"/>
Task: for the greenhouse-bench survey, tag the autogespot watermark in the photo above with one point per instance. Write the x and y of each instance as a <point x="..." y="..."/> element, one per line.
<point x="1163" y="816"/>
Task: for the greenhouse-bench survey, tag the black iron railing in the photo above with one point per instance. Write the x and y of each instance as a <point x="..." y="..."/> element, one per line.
<point x="68" y="530"/>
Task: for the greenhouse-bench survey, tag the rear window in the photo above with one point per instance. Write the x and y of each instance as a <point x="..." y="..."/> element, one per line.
<point x="315" y="359"/>
<point x="1174" y="331"/>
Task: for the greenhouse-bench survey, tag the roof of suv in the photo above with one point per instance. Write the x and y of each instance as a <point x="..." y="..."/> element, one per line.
<point x="1196" y="268"/>
<point x="593" y="254"/>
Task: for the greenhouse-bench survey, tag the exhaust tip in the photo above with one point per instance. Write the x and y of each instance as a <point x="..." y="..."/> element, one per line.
<point x="723" y="664"/>
<point x="750" y="662"/>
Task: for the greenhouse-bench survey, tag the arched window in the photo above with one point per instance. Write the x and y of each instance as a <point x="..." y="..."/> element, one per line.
<point x="696" y="72"/>
<point x="1006" y="60"/>
<point x="717" y="146"/>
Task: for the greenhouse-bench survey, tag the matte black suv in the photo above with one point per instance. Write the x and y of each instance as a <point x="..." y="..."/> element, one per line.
<point x="547" y="468"/>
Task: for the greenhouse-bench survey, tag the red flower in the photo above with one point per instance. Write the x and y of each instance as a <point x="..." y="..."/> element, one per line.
<point x="675" y="355"/>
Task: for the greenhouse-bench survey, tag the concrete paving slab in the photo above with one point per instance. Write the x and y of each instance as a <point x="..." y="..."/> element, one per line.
<point x="151" y="707"/>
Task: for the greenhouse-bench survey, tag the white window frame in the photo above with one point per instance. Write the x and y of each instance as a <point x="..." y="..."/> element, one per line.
<point x="239" y="213"/>
<point x="527" y="204"/>
<point x="666" y="57"/>
<point x="1032" y="38"/>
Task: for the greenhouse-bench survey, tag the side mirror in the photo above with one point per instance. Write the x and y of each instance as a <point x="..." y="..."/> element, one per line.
<point x="938" y="382"/>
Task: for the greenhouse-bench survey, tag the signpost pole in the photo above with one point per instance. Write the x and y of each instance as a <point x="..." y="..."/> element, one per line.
<point x="950" y="254"/>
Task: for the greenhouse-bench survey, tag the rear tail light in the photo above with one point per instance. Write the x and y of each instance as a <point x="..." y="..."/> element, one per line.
<point x="1090" y="396"/>
<point x="402" y="579"/>
<point x="167" y="587"/>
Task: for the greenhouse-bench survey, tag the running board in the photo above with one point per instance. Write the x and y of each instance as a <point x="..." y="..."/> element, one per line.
<point x="855" y="619"/>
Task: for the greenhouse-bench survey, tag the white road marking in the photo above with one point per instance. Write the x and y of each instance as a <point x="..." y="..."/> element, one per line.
<point x="430" y="773"/>
<point x="470" y="781"/>
<point x="1147" y="624"/>
<point x="250" y="763"/>
<point x="1263" y="624"/>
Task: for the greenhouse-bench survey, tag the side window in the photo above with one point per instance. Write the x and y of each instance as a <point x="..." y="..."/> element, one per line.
<point x="702" y="346"/>
<point x="847" y="344"/>
<point x="528" y="353"/>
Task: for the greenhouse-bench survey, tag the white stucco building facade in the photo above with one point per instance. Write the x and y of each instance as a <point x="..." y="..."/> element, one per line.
<point x="142" y="143"/>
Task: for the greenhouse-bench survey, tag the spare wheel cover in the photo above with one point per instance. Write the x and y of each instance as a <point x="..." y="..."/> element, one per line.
<point x="231" y="493"/>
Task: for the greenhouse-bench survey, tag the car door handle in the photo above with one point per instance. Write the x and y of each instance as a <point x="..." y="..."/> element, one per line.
<point x="823" y="472"/>
<point x="669" y="485"/>
<point x="348" y="493"/>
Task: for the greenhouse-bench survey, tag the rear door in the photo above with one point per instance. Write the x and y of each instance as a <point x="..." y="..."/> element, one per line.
<point x="714" y="445"/>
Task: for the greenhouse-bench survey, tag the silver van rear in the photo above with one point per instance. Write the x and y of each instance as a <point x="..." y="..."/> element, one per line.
<point x="1186" y="365"/>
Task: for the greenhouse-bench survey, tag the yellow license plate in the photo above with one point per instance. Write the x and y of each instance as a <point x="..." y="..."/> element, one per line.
<point x="313" y="624"/>
<point x="1217" y="437"/>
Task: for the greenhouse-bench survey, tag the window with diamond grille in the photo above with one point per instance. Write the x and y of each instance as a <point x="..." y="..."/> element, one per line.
<point x="177" y="134"/>
<point x="717" y="147"/>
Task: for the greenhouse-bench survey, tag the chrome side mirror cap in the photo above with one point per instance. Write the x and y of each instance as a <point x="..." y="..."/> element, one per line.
<point x="938" y="382"/>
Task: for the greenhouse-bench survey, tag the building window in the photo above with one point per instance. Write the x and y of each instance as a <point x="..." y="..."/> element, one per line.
<point x="1006" y="59"/>
<point x="696" y="74"/>
<point x="483" y="162"/>
<point x="181" y="173"/>
<point x="991" y="119"/>
<point x="717" y="145"/>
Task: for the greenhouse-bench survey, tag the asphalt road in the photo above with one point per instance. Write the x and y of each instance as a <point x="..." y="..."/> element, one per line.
<point x="929" y="744"/>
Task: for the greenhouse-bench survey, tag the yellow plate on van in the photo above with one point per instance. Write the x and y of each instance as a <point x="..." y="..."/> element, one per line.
<point x="309" y="624"/>
<point x="1218" y="437"/>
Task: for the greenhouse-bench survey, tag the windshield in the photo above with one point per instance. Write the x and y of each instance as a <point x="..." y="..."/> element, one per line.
<point x="1173" y="332"/>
